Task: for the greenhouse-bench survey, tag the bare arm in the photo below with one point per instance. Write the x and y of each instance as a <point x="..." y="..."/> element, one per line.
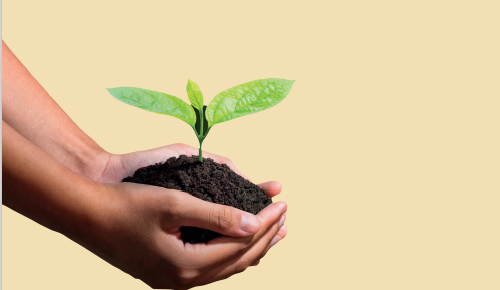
<point x="30" y="111"/>
<point x="132" y="226"/>
<point x="41" y="188"/>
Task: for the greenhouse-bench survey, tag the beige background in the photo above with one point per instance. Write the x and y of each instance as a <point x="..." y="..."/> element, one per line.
<point x="387" y="146"/>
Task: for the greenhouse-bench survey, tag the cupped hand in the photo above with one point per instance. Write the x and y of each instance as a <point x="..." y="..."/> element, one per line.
<point x="137" y="230"/>
<point x="113" y="168"/>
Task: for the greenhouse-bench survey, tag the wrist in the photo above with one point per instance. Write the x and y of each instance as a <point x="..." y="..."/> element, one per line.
<point x="97" y="227"/>
<point x="94" y="162"/>
<point x="85" y="222"/>
<point x="77" y="152"/>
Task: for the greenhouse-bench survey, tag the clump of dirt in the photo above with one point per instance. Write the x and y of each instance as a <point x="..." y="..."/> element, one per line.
<point x="209" y="181"/>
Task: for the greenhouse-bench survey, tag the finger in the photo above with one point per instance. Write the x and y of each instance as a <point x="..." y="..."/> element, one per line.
<point x="240" y="263"/>
<point x="268" y="216"/>
<point x="229" y="163"/>
<point x="225" y="248"/>
<point x="272" y="188"/>
<point x="131" y="162"/>
<point x="281" y="233"/>
<point x="279" y="236"/>
<point x="226" y="220"/>
<point x="175" y="150"/>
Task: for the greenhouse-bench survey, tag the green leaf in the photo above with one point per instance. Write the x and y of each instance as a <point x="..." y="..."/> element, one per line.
<point x="205" y="123"/>
<point x="247" y="98"/>
<point x="194" y="94"/>
<point x="155" y="102"/>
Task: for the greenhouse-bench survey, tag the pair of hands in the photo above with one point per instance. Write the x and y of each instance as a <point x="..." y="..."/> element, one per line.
<point x="134" y="227"/>
<point x="139" y="233"/>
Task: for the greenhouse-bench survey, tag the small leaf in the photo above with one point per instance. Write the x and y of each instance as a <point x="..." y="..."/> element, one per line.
<point x="155" y="102"/>
<point x="247" y="98"/>
<point x="205" y="123"/>
<point x="194" y="94"/>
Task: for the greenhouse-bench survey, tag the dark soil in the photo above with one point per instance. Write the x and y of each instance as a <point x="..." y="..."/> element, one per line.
<point x="208" y="181"/>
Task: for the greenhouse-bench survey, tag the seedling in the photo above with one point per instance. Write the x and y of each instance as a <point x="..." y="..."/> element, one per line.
<point x="238" y="101"/>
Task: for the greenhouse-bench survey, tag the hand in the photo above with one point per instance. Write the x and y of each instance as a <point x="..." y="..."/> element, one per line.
<point x="120" y="166"/>
<point x="137" y="228"/>
<point x="113" y="168"/>
<point x="138" y="232"/>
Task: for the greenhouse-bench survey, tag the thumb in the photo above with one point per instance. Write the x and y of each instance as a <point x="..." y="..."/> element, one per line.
<point x="226" y="220"/>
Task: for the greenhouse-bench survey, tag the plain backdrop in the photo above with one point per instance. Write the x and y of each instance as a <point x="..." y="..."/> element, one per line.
<point x="387" y="146"/>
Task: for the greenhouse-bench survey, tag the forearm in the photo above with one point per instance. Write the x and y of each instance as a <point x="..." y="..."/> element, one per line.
<point x="30" y="111"/>
<point x="43" y="190"/>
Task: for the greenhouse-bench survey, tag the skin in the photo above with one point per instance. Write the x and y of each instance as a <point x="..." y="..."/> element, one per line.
<point x="59" y="177"/>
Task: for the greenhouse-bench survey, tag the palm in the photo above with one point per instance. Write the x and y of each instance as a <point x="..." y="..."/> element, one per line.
<point x="121" y="166"/>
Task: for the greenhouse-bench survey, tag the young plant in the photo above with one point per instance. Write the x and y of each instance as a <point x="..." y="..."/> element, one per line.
<point x="238" y="101"/>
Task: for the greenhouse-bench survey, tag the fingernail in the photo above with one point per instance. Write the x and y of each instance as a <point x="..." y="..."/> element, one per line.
<point x="275" y="240"/>
<point x="282" y="221"/>
<point x="249" y="223"/>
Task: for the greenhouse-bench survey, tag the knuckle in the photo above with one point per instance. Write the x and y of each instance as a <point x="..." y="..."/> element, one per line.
<point x="263" y="254"/>
<point x="174" y="204"/>
<point x="274" y="231"/>
<point x="242" y="265"/>
<point x="243" y="248"/>
<point x="222" y="217"/>
<point x="226" y="160"/>
<point x="186" y="277"/>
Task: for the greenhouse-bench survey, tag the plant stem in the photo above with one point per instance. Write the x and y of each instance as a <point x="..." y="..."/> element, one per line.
<point x="200" y="138"/>
<point x="200" y="155"/>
